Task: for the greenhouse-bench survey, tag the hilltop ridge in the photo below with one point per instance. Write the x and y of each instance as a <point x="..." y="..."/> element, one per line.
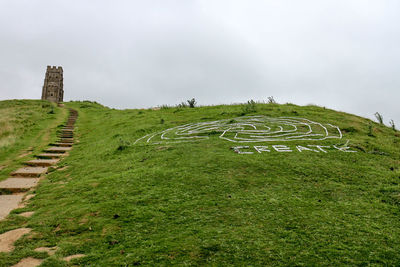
<point x="220" y="185"/>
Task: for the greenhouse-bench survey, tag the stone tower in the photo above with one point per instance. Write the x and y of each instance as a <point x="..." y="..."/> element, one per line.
<point x="53" y="85"/>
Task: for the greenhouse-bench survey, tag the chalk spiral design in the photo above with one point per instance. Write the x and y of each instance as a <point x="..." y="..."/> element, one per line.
<point x="248" y="129"/>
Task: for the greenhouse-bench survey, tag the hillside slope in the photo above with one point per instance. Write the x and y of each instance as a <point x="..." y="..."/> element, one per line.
<point x="25" y="127"/>
<point x="220" y="189"/>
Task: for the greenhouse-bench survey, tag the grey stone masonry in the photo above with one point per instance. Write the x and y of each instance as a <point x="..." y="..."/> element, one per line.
<point x="53" y="87"/>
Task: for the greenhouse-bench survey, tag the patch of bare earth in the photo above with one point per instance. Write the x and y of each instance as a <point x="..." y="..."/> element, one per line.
<point x="76" y="256"/>
<point x="28" y="197"/>
<point x="8" y="203"/>
<point x="8" y="239"/>
<point x="63" y="168"/>
<point x="26" y="153"/>
<point x="27" y="214"/>
<point x="28" y="262"/>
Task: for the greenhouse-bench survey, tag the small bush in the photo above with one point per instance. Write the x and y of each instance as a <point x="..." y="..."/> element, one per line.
<point x="392" y="125"/>
<point x="379" y="117"/>
<point x="165" y="107"/>
<point x="192" y="103"/>
<point x="271" y="100"/>
<point x="182" y="105"/>
<point x="250" y="107"/>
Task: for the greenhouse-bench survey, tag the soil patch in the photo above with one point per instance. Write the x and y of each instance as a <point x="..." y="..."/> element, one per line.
<point x="27" y="214"/>
<point x="69" y="258"/>
<point x="8" y="239"/>
<point x="28" y="262"/>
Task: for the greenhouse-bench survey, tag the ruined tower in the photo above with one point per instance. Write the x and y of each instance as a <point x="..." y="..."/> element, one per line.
<point x="53" y="85"/>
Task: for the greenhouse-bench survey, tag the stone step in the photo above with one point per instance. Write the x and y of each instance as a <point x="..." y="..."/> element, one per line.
<point x="66" y="135"/>
<point x="29" y="171"/>
<point x="42" y="162"/>
<point x="58" y="149"/>
<point x="50" y="155"/>
<point x="67" y="130"/>
<point x="61" y="144"/>
<point x="66" y="140"/>
<point x="18" y="184"/>
<point x="9" y="203"/>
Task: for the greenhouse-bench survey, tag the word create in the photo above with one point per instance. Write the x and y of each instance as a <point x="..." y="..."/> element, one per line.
<point x="293" y="148"/>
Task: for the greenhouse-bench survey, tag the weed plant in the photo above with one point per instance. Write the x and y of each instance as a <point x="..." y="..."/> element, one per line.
<point x="192" y="103"/>
<point x="249" y="107"/>
<point x="379" y="117"/>
<point x="392" y="125"/>
<point x="271" y="100"/>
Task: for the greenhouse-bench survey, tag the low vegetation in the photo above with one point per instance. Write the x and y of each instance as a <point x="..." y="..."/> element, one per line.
<point x="25" y="127"/>
<point x="199" y="203"/>
<point x="379" y="117"/>
<point x="391" y="123"/>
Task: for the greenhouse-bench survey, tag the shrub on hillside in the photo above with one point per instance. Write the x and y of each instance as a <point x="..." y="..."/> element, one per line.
<point x="379" y="117"/>
<point x="249" y="107"/>
<point x="192" y="103"/>
<point x="271" y="100"/>
<point x="392" y="125"/>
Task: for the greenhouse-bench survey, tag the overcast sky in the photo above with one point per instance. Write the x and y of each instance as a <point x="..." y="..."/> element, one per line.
<point x="342" y="54"/>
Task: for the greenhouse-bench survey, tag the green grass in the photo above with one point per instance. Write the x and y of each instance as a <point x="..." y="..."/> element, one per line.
<point x="26" y="126"/>
<point x="199" y="203"/>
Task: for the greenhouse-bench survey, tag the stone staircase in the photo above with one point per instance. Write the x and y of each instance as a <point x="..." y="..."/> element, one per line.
<point x="12" y="190"/>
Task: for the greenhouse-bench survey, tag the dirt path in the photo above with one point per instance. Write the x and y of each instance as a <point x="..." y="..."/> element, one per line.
<point x="15" y="191"/>
<point x="41" y="139"/>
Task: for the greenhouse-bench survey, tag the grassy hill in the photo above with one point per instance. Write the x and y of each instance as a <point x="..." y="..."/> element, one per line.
<point x="126" y="201"/>
<point x="25" y="127"/>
